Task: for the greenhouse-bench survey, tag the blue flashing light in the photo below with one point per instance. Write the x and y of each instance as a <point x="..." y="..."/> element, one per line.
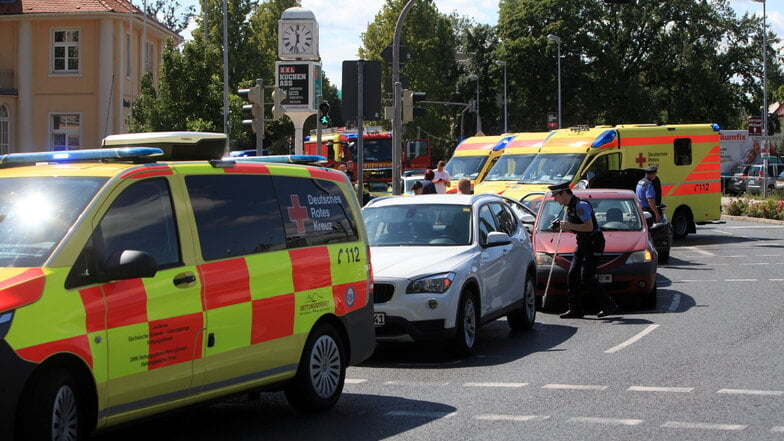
<point x="715" y="127"/>
<point x="125" y="153"/>
<point x="350" y="135"/>
<point x="502" y="143"/>
<point x="284" y="159"/>
<point x="606" y="137"/>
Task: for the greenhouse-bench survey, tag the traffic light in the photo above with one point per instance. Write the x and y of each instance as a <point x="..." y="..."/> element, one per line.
<point x="255" y="96"/>
<point x="409" y="99"/>
<point x="278" y="95"/>
<point x="324" y="113"/>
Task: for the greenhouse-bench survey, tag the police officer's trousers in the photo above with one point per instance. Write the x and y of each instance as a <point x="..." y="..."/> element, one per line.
<point x="582" y="274"/>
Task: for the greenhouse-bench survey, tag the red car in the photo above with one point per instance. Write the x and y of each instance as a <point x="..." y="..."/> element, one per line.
<point x="628" y="266"/>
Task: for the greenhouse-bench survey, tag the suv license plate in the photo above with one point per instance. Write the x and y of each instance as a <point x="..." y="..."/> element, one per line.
<point x="605" y="278"/>
<point x="379" y="318"/>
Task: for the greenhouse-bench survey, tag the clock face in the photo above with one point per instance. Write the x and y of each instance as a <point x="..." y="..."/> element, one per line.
<point x="297" y="38"/>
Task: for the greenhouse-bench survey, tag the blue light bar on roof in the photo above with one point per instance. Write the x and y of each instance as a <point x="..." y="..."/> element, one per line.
<point x="502" y="143"/>
<point x="715" y="127"/>
<point x="604" y="138"/>
<point x="126" y="153"/>
<point x="283" y="159"/>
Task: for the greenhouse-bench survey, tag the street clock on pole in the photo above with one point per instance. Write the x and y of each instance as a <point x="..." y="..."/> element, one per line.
<point x="298" y="35"/>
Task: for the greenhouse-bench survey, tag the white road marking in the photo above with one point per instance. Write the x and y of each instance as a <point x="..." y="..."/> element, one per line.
<point x="771" y="393"/>
<point x="676" y="301"/>
<point x="724" y="232"/>
<point x="707" y="426"/>
<point x="768" y="255"/>
<point x="495" y="384"/>
<point x="498" y="417"/>
<point x="751" y="226"/>
<point x="407" y="413"/>
<point x="696" y="280"/>
<point x="738" y="255"/>
<point x="632" y="340"/>
<point x="776" y="280"/>
<point x="574" y="386"/>
<point x="660" y="389"/>
<point x="755" y="263"/>
<point x="740" y="280"/>
<point x="698" y="251"/>
<point x="610" y="421"/>
<point x="777" y="429"/>
<point x="414" y="383"/>
<point x="355" y="380"/>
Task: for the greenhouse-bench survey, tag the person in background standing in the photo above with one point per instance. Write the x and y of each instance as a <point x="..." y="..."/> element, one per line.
<point x="646" y="192"/>
<point x="350" y="170"/>
<point x="441" y="178"/>
<point x="428" y="187"/>
<point x="464" y="186"/>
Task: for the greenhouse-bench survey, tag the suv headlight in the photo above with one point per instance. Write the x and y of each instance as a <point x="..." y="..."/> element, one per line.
<point x="544" y="258"/>
<point x="437" y="284"/>
<point x="639" y="257"/>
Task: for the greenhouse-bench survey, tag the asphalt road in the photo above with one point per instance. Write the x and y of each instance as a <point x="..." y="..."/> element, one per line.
<point x="706" y="364"/>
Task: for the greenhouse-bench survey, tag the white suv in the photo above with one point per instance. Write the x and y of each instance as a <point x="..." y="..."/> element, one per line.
<point x="445" y="264"/>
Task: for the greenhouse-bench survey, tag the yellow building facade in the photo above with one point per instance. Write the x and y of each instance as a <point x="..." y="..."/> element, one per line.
<point x="70" y="69"/>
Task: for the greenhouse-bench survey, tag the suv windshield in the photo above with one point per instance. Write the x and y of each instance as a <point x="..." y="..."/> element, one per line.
<point x="35" y="214"/>
<point x="418" y="224"/>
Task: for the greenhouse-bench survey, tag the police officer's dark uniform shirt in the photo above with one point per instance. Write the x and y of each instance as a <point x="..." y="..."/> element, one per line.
<point x="578" y="212"/>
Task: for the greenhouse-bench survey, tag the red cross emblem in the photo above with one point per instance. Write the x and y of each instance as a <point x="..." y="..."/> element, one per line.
<point x="297" y="213"/>
<point x="640" y="160"/>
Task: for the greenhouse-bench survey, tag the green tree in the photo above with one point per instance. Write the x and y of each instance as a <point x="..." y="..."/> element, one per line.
<point x="428" y="36"/>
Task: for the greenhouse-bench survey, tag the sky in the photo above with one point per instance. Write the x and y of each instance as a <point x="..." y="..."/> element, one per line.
<point x="341" y="23"/>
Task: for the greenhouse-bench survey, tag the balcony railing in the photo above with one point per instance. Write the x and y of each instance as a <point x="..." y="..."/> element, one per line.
<point x="7" y="82"/>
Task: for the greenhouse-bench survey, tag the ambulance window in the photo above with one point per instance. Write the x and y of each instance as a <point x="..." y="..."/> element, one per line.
<point x="683" y="151"/>
<point x="236" y="215"/>
<point x="140" y="218"/>
<point x="315" y="212"/>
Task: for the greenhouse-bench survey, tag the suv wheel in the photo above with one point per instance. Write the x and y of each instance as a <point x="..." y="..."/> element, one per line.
<point x="524" y="318"/>
<point x="467" y="324"/>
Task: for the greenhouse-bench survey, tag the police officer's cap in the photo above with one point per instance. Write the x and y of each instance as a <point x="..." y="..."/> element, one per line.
<point x="558" y="188"/>
<point x="652" y="168"/>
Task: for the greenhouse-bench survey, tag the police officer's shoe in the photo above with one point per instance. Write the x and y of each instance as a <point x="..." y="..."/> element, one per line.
<point x="572" y="314"/>
<point x="608" y="310"/>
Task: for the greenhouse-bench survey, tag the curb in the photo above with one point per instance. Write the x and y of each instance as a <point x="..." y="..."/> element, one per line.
<point x="760" y="220"/>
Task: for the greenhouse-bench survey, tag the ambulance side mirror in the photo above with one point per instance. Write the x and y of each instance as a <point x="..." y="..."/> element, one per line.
<point x="129" y="264"/>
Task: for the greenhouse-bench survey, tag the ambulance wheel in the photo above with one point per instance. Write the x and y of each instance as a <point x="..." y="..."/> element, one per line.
<point x="467" y="324"/>
<point x="524" y="318"/>
<point x="680" y="225"/>
<point x="321" y="372"/>
<point x="52" y="409"/>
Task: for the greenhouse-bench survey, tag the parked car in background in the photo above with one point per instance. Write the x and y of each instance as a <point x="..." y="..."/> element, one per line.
<point x="629" y="263"/>
<point x="737" y="185"/>
<point x="780" y="181"/>
<point x="445" y="264"/>
<point x="759" y="179"/>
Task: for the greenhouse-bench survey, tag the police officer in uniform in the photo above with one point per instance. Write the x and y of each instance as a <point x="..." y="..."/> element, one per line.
<point x="581" y="220"/>
<point x="646" y="192"/>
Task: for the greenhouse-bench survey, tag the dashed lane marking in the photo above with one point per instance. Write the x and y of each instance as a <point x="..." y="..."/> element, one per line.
<point x="355" y="380"/>
<point x="499" y="417"/>
<point x="609" y="421"/>
<point x="770" y="393"/>
<point x="495" y="384"/>
<point x="632" y="340"/>
<point x="698" y="251"/>
<point x="740" y="280"/>
<point x="432" y="415"/>
<point x="676" y="301"/>
<point x="414" y="383"/>
<point x="660" y="389"/>
<point x="777" y="429"/>
<point x="704" y="426"/>
<point x="574" y="386"/>
<point x="696" y="280"/>
<point x="753" y="263"/>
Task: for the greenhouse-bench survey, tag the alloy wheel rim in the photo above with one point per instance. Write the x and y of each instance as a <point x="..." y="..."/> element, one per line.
<point x="65" y="416"/>
<point x="530" y="300"/>
<point x="469" y="323"/>
<point x="325" y="366"/>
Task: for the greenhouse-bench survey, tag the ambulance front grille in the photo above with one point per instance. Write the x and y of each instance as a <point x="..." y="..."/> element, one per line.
<point x="382" y="292"/>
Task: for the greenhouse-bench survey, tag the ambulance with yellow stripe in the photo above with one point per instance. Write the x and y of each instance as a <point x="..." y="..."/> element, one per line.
<point x="131" y="284"/>
<point x="515" y="158"/>
<point x="687" y="155"/>
<point x="474" y="157"/>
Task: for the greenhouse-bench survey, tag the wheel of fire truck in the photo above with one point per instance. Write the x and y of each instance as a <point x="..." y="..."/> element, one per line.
<point x="681" y="223"/>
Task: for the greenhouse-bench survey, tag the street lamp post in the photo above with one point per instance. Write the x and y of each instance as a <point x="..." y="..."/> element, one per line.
<point x="764" y="93"/>
<point x="557" y="39"/>
<point x="506" y="121"/>
<point x="478" y="118"/>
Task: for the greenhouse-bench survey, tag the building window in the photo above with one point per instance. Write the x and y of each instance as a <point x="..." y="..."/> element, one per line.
<point x="148" y="56"/>
<point x="4" y="137"/>
<point x="65" y="131"/>
<point x="65" y="51"/>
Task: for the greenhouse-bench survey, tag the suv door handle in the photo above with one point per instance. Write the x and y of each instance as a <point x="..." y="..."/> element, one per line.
<point x="184" y="280"/>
